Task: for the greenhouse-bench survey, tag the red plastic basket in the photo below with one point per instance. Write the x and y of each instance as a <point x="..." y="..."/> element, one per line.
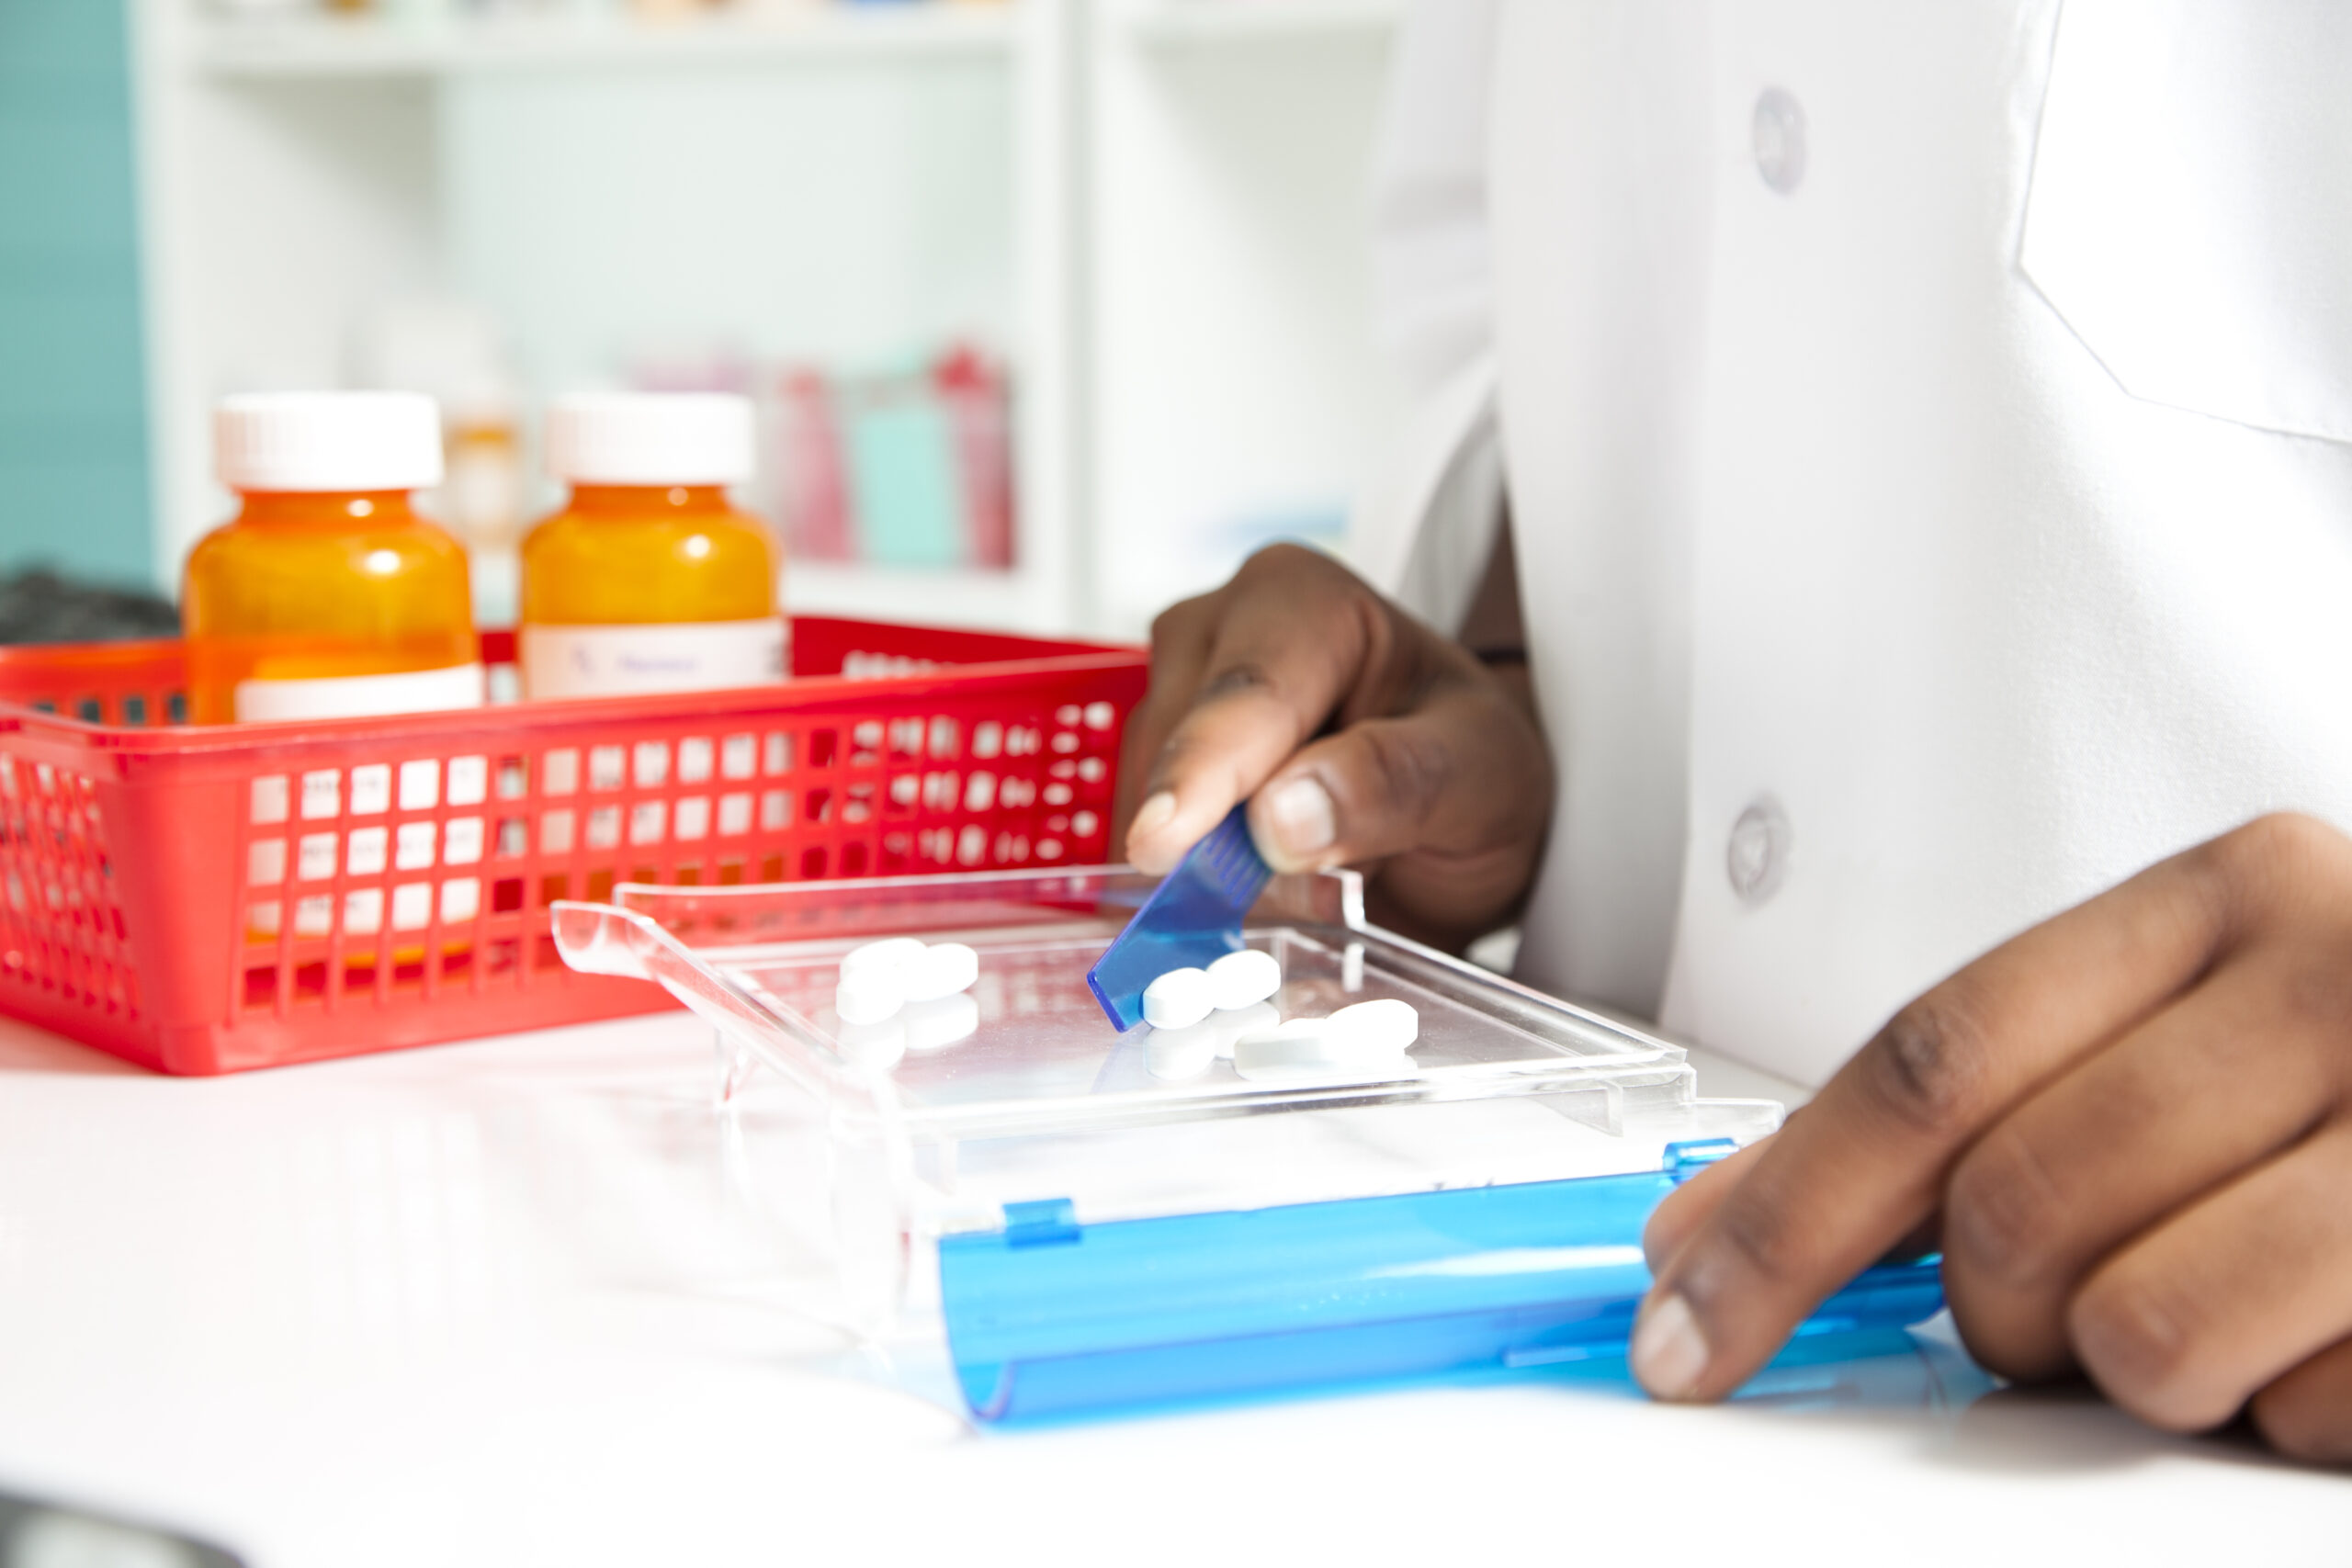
<point x="204" y="900"/>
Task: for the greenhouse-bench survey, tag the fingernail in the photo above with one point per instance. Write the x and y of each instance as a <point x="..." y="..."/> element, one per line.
<point x="1670" y="1354"/>
<point x="1301" y="821"/>
<point x="1150" y="818"/>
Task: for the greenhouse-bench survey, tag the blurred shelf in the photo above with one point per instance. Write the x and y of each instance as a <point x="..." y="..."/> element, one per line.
<point x="1192" y="22"/>
<point x="996" y="601"/>
<point x="316" y="46"/>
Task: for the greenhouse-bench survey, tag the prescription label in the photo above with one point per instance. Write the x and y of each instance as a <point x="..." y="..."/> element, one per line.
<point x="361" y="696"/>
<point x="627" y="660"/>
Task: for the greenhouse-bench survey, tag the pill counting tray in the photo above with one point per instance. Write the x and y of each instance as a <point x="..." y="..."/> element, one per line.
<point x="962" y="1141"/>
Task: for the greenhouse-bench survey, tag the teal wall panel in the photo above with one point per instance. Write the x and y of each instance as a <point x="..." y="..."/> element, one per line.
<point x="73" y="478"/>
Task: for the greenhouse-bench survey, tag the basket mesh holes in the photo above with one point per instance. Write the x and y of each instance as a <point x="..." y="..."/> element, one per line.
<point x="605" y="765"/>
<point x="812" y="862"/>
<point x="134" y="709"/>
<point x="371" y="789"/>
<point x="693" y="818"/>
<point x="1093" y="770"/>
<point x="513" y="838"/>
<point x="652" y="764"/>
<point x="270" y="799"/>
<point x="554" y="887"/>
<point x="468" y="780"/>
<point x="779" y="752"/>
<point x="646" y="820"/>
<point x="695" y="761"/>
<point x="604" y="827"/>
<point x="739" y="756"/>
<point x="322" y="793"/>
<point x="1101" y="716"/>
<point x="1018" y="792"/>
<point x="988" y="740"/>
<point x="420" y="784"/>
<point x="852" y="860"/>
<point x="1067" y="715"/>
<point x="560" y="773"/>
<point x="264" y="862"/>
<point x="906" y="789"/>
<point x="412" y="848"/>
<point x="817" y="805"/>
<point x="513" y="778"/>
<point x="555" y="832"/>
<point x="822" y="746"/>
<point x="734" y="816"/>
<point x="369" y="849"/>
<point x="1059" y="794"/>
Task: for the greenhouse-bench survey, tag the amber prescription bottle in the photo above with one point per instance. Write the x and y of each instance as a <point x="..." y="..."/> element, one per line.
<point x="326" y="596"/>
<point x="649" y="579"/>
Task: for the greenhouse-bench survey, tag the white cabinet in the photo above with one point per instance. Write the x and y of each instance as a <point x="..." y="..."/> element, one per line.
<point x="1153" y="208"/>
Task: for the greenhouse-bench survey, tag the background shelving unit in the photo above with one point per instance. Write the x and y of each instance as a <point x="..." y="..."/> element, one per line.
<point x="1154" y="209"/>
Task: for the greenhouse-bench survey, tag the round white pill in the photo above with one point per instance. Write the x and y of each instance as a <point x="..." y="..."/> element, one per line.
<point x="1239" y="979"/>
<point x="1374" y="1029"/>
<point x="1177" y="999"/>
<point x="877" y="1047"/>
<point x="941" y="970"/>
<point x="870" y="995"/>
<point x="1233" y="1023"/>
<point x="1176" y="1055"/>
<point x="940" y="1023"/>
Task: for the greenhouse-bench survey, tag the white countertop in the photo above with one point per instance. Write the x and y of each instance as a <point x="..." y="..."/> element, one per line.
<point x="502" y="1302"/>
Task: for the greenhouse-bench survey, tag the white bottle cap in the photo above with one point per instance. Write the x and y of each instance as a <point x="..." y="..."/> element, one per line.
<point x="327" y="441"/>
<point x="650" y="438"/>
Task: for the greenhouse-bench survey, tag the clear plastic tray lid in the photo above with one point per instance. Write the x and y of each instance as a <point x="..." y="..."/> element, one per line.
<point x="978" y="1145"/>
<point x="1028" y="1053"/>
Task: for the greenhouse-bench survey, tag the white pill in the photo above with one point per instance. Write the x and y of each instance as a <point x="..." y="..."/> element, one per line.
<point x="1373" y="1029"/>
<point x="941" y="970"/>
<point x="1299" y="1052"/>
<point x="935" y="1024"/>
<point x="1238" y="979"/>
<point x="869" y="995"/>
<point x="1231" y="1024"/>
<point x="891" y="953"/>
<point x="877" y="1047"/>
<point x="1177" y="999"/>
<point x="1180" y="1054"/>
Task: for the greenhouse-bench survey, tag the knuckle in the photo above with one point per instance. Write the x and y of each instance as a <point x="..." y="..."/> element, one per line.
<point x="2138" y="1339"/>
<point x="1764" y="1240"/>
<point x="2282" y="858"/>
<point x="1930" y="1066"/>
<point x="1175" y="624"/>
<point x="2003" y="1215"/>
<point x="2292" y="1421"/>
<point x="1407" y="769"/>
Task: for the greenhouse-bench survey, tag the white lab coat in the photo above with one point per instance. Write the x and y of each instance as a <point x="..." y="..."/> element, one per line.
<point x="1928" y="429"/>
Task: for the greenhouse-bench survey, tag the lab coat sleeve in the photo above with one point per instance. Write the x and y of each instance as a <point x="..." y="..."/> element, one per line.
<point x="1426" y="526"/>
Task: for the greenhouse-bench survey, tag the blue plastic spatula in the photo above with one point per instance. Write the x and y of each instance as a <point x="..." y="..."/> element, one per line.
<point x="1191" y="918"/>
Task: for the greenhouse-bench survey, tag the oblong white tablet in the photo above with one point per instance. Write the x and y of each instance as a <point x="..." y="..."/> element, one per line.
<point x="940" y="970"/>
<point x="1239" y="979"/>
<point x="1373" y="1029"/>
<point x="1177" y="999"/>
<point x="870" y="995"/>
<point x="1297" y="1053"/>
<point x="1179" y="1053"/>
<point x="888" y="953"/>
<point x="935" y="1024"/>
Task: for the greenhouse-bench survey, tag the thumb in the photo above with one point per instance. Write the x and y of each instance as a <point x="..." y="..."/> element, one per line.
<point x="1454" y="796"/>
